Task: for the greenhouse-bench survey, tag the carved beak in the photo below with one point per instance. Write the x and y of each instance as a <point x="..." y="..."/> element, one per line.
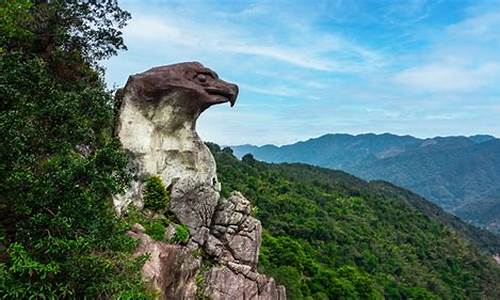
<point x="234" y="94"/>
<point x="226" y="94"/>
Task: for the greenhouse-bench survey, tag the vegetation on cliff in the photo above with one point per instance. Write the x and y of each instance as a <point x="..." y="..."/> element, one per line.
<point x="155" y="194"/>
<point x="59" y="165"/>
<point x="330" y="235"/>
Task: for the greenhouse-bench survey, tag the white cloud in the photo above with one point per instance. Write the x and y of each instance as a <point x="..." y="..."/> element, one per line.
<point x="483" y="27"/>
<point x="325" y="53"/>
<point x="444" y="116"/>
<point x="464" y="58"/>
<point x="448" y="78"/>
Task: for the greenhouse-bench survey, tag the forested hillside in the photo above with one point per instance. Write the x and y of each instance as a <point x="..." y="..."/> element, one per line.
<point x="329" y="235"/>
<point x="460" y="174"/>
<point x="59" y="164"/>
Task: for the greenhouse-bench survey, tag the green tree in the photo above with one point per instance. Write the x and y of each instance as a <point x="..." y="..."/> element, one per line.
<point x="59" y="164"/>
<point x="155" y="195"/>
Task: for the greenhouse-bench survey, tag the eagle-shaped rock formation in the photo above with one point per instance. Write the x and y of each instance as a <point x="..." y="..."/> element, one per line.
<point x="156" y="124"/>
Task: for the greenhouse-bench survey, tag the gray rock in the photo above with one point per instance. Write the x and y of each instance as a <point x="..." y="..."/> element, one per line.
<point x="269" y="291"/>
<point x="238" y="268"/>
<point x="216" y="249"/>
<point x="281" y="292"/>
<point x="224" y="284"/>
<point x="237" y="230"/>
<point x="232" y="282"/>
<point x="193" y="204"/>
<point x="169" y="232"/>
<point x="138" y="228"/>
<point x="245" y="243"/>
<point x="200" y="236"/>
<point x="232" y="211"/>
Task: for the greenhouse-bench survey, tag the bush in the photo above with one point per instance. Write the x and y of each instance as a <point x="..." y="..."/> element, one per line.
<point x="181" y="235"/>
<point x="155" y="229"/>
<point x="154" y="226"/>
<point x="155" y="195"/>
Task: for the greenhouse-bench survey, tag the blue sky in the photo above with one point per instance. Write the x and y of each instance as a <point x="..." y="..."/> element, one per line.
<point x="306" y="68"/>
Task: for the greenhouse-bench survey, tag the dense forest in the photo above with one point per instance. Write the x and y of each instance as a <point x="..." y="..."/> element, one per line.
<point x="330" y="235"/>
<point x="59" y="164"/>
<point x="459" y="173"/>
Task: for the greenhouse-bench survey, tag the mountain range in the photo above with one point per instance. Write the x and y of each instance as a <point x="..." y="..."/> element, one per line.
<point x="330" y="235"/>
<point x="461" y="174"/>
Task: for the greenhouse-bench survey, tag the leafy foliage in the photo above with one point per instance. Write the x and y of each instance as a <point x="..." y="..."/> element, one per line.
<point x="59" y="164"/>
<point x="154" y="224"/>
<point x="155" y="195"/>
<point x="330" y="235"/>
<point x="156" y="229"/>
<point x="181" y="235"/>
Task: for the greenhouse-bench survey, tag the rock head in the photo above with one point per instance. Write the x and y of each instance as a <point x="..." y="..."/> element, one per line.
<point x="197" y="85"/>
<point x="156" y="124"/>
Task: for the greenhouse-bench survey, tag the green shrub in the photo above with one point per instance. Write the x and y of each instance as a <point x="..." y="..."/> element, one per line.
<point x="155" y="229"/>
<point x="154" y="226"/>
<point x="155" y="195"/>
<point x="181" y="235"/>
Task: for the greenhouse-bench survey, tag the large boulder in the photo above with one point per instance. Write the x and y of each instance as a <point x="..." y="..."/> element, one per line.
<point x="193" y="203"/>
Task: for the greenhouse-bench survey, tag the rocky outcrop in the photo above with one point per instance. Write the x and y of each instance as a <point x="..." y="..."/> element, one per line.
<point x="156" y="123"/>
<point x="228" y="284"/>
<point x="170" y="270"/>
<point x="236" y="230"/>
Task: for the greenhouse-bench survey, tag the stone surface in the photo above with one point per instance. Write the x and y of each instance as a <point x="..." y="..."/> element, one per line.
<point x="216" y="249"/>
<point x="170" y="269"/>
<point x="156" y="124"/>
<point x="193" y="204"/>
<point x="170" y="232"/>
<point x="232" y="211"/>
<point x="138" y="228"/>
<point x="224" y="283"/>
<point x="239" y="232"/>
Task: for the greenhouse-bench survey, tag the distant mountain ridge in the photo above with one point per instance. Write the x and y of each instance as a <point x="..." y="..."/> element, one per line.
<point x="459" y="173"/>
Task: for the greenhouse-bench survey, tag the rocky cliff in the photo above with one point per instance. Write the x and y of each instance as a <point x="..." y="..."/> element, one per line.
<point x="156" y="123"/>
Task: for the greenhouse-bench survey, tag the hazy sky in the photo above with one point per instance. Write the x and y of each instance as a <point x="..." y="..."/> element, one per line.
<point x="306" y="68"/>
